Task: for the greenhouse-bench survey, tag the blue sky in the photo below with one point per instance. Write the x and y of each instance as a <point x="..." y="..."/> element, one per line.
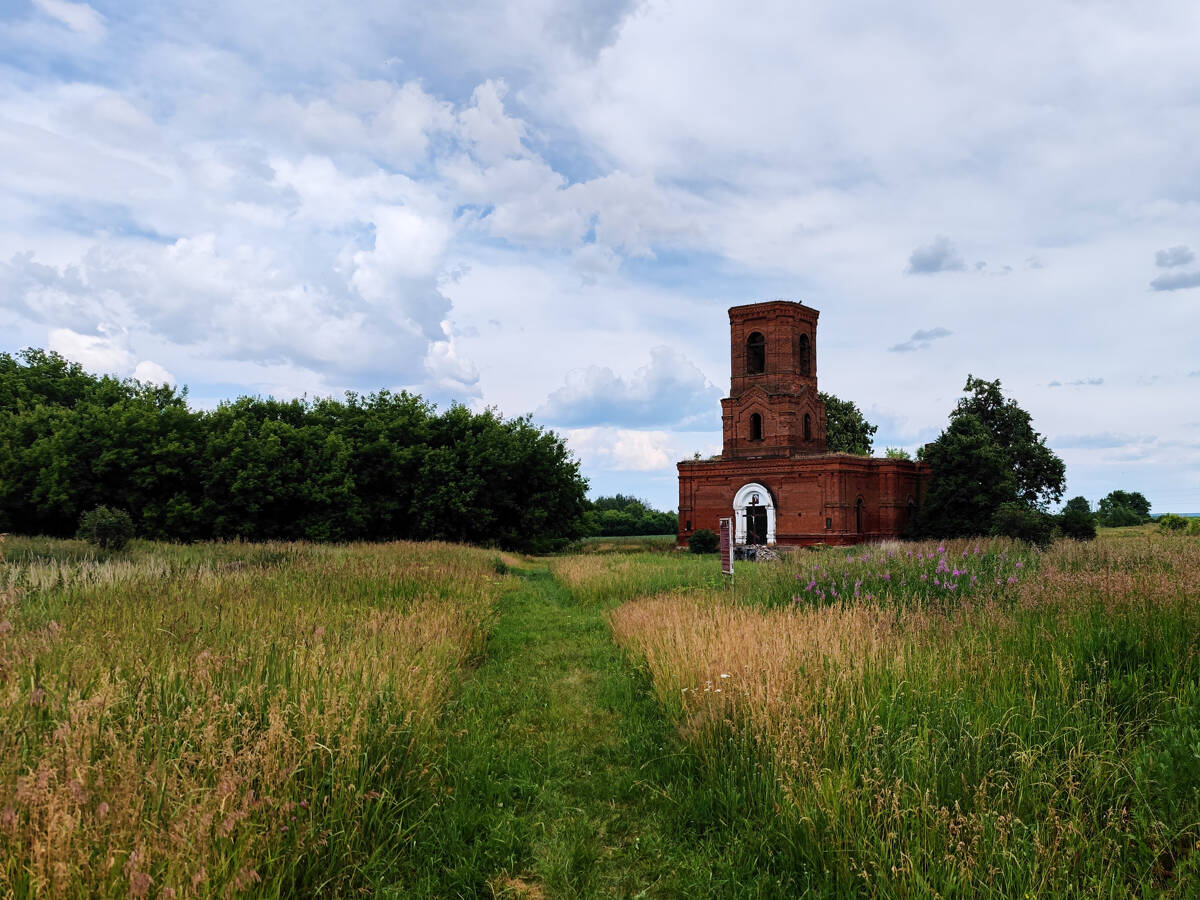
<point x="548" y="208"/>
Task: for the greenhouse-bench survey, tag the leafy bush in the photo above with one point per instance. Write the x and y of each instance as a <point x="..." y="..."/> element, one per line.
<point x="1193" y="526"/>
<point x="1076" y="520"/>
<point x="1024" y="523"/>
<point x="108" y="529"/>
<point x="703" y="540"/>
<point x="1121" y="517"/>
<point x="1171" y="523"/>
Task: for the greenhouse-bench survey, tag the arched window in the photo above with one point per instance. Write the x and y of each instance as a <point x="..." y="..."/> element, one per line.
<point x="805" y="355"/>
<point x="756" y="354"/>
<point x="807" y="427"/>
<point x="755" y="427"/>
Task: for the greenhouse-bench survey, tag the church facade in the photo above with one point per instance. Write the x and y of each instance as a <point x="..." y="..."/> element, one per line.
<point x="775" y="476"/>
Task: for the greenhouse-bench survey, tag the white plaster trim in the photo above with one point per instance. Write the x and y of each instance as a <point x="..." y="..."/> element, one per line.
<point x="741" y="500"/>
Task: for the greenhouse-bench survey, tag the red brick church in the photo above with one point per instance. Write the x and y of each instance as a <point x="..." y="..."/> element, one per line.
<point x="775" y="476"/>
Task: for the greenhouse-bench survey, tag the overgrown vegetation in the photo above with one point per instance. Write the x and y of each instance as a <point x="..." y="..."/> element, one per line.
<point x="375" y="467"/>
<point x="225" y="719"/>
<point x="1172" y="523"/>
<point x="108" y="529"/>
<point x="1015" y="724"/>
<point x="655" y="543"/>
<point x="703" y="540"/>
<point x="960" y="718"/>
<point x="846" y="428"/>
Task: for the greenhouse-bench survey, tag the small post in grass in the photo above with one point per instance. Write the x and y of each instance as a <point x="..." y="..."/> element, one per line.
<point x="726" y="529"/>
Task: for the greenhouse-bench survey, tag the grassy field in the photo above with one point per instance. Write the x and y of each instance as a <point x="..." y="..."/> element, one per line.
<point x="962" y="719"/>
<point x="224" y="718"/>
<point x="649" y="543"/>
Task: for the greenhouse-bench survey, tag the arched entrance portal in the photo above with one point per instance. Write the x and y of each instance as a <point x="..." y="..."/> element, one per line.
<point x="754" y="515"/>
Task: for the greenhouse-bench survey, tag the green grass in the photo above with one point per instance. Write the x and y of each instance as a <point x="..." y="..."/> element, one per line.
<point x="429" y="720"/>
<point x="562" y="776"/>
<point x="1036" y="738"/>
<point x="210" y="718"/>
<point x="655" y="543"/>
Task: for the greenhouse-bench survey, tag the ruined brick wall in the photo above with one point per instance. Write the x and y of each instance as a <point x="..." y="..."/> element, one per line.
<point x="816" y="499"/>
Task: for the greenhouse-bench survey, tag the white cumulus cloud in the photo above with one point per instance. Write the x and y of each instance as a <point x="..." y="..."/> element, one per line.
<point x="670" y="390"/>
<point x="79" y="17"/>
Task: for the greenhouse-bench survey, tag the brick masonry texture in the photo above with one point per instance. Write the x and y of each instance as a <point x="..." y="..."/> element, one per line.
<point x="774" y="431"/>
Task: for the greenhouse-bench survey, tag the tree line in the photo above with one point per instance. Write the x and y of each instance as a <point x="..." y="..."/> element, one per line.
<point x="379" y="466"/>
<point x="621" y="515"/>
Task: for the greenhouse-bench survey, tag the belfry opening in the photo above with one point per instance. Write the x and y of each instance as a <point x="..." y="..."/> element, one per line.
<point x="775" y="476"/>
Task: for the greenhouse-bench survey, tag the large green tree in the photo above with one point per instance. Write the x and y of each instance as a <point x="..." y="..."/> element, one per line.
<point x="971" y="479"/>
<point x="846" y="428"/>
<point x="1040" y="473"/>
<point x="1077" y="520"/>
<point x="1123" y="508"/>
<point x="989" y="456"/>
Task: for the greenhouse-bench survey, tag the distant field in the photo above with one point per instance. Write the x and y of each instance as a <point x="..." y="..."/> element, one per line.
<point x="963" y="719"/>
<point x="628" y="543"/>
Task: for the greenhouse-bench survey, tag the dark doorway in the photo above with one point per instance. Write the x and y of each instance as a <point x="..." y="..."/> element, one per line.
<point x="756" y="524"/>
<point x="858" y="516"/>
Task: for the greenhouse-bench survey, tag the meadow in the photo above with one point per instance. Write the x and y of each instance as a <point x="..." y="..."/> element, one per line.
<point x="966" y="718"/>
<point x="217" y="719"/>
<point x="957" y="719"/>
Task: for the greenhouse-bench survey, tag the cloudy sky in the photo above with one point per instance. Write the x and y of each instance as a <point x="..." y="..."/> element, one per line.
<point x="548" y="210"/>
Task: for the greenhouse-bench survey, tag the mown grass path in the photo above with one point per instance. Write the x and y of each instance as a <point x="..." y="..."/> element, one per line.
<point x="561" y="778"/>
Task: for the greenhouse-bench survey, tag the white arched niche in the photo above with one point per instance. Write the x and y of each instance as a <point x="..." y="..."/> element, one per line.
<point x="750" y="496"/>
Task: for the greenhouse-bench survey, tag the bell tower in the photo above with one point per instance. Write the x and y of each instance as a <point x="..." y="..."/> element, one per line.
<point x="773" y="409"/>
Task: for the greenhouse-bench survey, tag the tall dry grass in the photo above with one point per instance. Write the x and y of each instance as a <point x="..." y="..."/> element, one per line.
<point x="191" y="722"/>
<point x="1031" y="732"/>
